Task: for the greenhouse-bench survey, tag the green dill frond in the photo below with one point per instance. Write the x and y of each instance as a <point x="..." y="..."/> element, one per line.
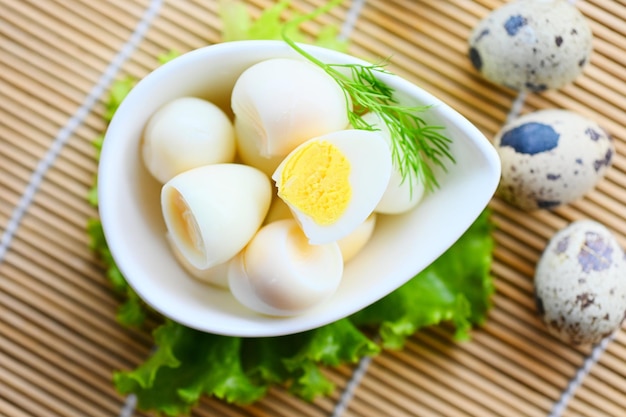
<point x="416" y="147"/>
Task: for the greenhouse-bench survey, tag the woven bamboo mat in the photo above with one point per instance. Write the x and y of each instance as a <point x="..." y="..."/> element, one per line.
<point x="59" y="341"/>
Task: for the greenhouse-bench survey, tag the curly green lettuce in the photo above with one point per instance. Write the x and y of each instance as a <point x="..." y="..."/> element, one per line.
<point x="456" y="288"/>
<point x="187" y="364"/>
<point x="237" y="24"/>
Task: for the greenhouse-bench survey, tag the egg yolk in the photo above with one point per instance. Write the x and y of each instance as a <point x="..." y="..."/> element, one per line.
<point x="315" y="181"/>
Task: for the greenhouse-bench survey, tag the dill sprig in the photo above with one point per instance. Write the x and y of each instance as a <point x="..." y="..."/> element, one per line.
<point x="416" y="146"/>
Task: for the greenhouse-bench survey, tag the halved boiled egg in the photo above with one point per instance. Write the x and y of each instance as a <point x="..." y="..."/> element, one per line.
<point x="212" y="212"/>
<point x="332" y="183"/>
<point x="280" y="273"/>
<point x="216" y="275"/>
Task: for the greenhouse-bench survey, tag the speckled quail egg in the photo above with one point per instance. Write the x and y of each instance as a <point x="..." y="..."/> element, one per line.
<point x="532" y="45"/>
<point x="551" y="157"/>
<point x="580" y="283"/>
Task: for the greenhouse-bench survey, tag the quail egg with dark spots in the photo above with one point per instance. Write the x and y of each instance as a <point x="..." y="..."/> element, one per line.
<point x="580" y="283"/>
<point x="551" y="157"/>
<point x="532" y="45"/>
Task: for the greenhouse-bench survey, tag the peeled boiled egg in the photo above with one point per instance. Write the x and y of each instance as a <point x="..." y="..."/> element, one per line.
<point x="186" y="133"/>
<point x="212" y="212"/>
<point x="332" y="183"/>
<point x="282" y="102"/>
<point x="278" y="211"/>
<point x="280" y="273"/>
<point x="355" y="241"/>
<point x="349" y="245"/>
<point x="216" y="275"/>
<point x="247" y="149"/>
<point x="401" y="194"/>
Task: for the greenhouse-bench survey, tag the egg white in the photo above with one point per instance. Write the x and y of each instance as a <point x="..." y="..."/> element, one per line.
<point x="186" y="133"/>
<point x="282" y="102"/>
<point x="279" y="273"/>
<point x="212" y="212"/>
<point x="402" y="194"/>
<point x="370" y="169"/>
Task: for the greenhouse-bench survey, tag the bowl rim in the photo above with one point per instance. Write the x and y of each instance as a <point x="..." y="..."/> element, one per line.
<point x="288" y="325"/>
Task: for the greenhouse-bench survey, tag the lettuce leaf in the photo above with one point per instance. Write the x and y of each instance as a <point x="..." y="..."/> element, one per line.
<point x="236" y="20"/>
<point x="237" y="24"/>
<point x="117" y="93"/>
<point x="457" y="288"/>
<point x="187" y="364"/>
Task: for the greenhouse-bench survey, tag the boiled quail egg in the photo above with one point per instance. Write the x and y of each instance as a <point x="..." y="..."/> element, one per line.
<point x="349" y="245"/>
<point x="248" y="149"/>
<point x="216" y="275"/>
<point x="332" y="183"/>
<point x="278" y="211"/>
<point x="402" y="193"/>
<point x="280" y="273"/>
<point x="213" y="211"/>
<point x="186" y="133"/>
<point x="279" y="103"/>
<point x="352" y="244"/>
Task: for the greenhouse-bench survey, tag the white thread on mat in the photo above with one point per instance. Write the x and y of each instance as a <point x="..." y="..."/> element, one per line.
<point x="516" y="107"/>
<point x="578" y="378"/>
<point x="560" y="406"/>
<point x="74" y="122"/>
<point x="351" y="17"/>
<point x="129" y="406"/>
<point x="575" y="383"/>
<point x="353" y="383"/>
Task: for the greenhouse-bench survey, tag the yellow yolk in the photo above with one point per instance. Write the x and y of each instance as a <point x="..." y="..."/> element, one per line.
<point x="332" y="183"/>
<point x="315" y="180"/>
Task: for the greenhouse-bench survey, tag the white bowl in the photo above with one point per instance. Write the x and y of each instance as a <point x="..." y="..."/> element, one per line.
<point x="401" y="246"/>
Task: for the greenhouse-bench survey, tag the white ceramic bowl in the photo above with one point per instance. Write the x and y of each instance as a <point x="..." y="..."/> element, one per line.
<point x="401" y="246"/>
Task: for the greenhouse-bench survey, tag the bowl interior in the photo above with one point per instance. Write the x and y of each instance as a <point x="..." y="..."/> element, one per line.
<point x="401" y="246"/>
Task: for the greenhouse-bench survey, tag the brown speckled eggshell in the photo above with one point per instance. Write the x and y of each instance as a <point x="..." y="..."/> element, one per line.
<point x="580" y="283"/>
<point x="550" y="158"/>
<point x="532" y="45"/>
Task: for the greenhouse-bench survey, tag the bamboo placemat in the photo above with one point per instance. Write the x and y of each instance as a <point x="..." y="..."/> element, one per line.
<point x="59" y="341"/>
